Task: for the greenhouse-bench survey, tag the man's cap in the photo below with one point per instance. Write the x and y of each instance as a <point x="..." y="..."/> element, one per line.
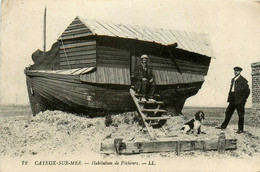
<point x="238" y="68"/>
<point x="144" y="56"/>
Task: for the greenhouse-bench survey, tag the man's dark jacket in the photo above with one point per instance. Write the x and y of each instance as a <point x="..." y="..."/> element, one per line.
<point x="242" y="90"/>
<point x="139" y="73"/>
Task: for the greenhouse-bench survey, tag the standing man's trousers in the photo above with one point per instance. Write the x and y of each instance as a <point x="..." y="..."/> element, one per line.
<point x="229" y="112"/>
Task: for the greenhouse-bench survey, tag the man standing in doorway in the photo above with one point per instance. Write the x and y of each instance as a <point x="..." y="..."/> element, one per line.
<point x="145" y="79"/>
<point x="238" y="93"/>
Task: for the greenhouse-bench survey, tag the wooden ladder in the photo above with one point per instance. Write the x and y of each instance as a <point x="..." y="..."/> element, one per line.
<point x="153" y="117"/>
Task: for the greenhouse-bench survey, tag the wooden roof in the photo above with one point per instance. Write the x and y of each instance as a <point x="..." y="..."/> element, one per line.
<point x="193" y="42"/>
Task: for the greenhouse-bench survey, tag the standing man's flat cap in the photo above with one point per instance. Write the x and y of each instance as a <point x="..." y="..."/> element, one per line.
<point x="238" y="68"/>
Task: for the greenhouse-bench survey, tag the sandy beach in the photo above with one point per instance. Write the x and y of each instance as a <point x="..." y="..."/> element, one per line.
<point x="59" y="134"/>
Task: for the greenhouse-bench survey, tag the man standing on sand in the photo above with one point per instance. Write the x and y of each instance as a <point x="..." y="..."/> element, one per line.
<point x="238" y="93"/>
<point x="145" y="79"/>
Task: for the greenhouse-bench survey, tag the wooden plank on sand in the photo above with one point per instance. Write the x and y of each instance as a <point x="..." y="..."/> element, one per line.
<point x="167" y="146"/>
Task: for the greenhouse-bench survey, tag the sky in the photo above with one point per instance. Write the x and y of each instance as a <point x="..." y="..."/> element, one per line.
<point x="233" y="28"/>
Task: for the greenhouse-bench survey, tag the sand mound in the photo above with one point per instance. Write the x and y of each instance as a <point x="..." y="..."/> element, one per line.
<point x="56" y="132"/>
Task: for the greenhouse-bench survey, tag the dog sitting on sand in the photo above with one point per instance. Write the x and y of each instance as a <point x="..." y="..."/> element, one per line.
<point x="194" y="125"/>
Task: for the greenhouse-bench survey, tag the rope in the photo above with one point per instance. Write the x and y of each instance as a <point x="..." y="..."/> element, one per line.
<point x="65" y="53"/>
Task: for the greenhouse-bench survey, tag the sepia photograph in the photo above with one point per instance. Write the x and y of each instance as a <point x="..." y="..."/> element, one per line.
<point x="95" y="85"/>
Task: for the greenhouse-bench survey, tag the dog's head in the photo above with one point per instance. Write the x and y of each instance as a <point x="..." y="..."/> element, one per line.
<point x="199" y="116"/>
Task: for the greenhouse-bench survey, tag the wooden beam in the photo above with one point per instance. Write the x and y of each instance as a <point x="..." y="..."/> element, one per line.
<point x="221" y="143"/>
<point x="52" y="75"/>
<point x="78" y="62"/>
<point x="75" y="25"/>
<point x="81" y="44"/>
<point x="84" y="31"/>
<point x="77" y="30"/>
<point x="75" y="36"/>
<point x="166" y="146"/>
<point x="79" y="53"/>
<point x="71" y="58"/>
<point x="74" y="66"/>
<point x="157" y="118"/>
<point x="78" y="49"/>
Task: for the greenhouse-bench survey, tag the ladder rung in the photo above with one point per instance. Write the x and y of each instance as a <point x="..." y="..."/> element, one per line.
<point x="149" y="102"/>
<point x="167" y="135"/>
<point x="154" y="110"/>
<point x="140" y="95"/>
<point x="157" y="118"/>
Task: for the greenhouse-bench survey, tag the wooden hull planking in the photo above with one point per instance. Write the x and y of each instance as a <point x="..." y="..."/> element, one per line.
<point x="68" y="94"/>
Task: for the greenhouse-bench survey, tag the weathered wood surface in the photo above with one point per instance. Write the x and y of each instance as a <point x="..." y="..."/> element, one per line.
<point x="152" y="123"/>
<point x="166" y="146"/>
<point x="221" y="143"/>
<point x="70" y="78"/>
<point x="149" y="102"/>
<point x="76" y="29"/>
<point x="76" y="36"/>
<point x="153" y="110"/>
<point x="35" y="99"/>
<point x="76" y="26"/>
<point x="78" y="49"/>
<point x="139" y="110"/>
<point x="108" y="75"/>
<point x="91" y="58"/>
<point x="77" y="53"/>
<point x="112" y="57"/>
<point x="78" y="62"/>
<point x="61" y="92"/>
<point x="171" y="77"/>
<point x="120" y="75"/>
<point x="173" y="96"/>
<point x="184" y="65"/>
<point x="71" y="44"/>
<point x="74" y="66"/>
<point x="77" y="96"/>
<point x="156" y="118"/>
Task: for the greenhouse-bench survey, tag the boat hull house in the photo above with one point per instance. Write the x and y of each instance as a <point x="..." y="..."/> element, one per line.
<point x="90" y="67"/>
